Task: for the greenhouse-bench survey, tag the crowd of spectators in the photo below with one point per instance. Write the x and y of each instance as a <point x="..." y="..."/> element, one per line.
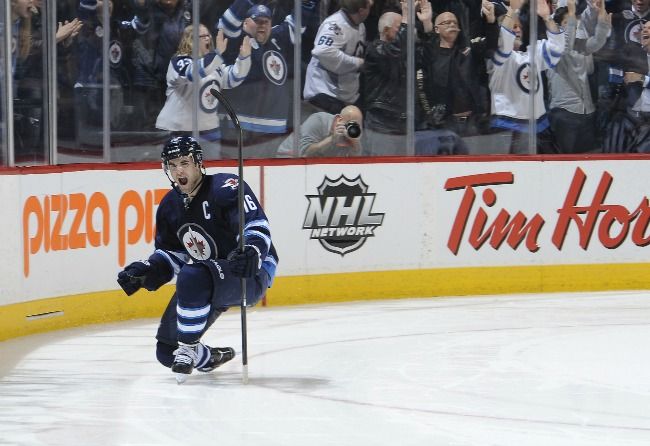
<point x="472" y="77"/>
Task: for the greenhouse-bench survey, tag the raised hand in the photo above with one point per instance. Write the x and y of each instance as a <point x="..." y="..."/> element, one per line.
<point x="515" y="5"/>
<point x="571" y="7"/>
<point x="68" y="30"/>
<point x="487" y="8"/>
<point x="425" y="14"/>
<point x="249" y="26"/>
<point x="221" y="42"/>
<point x="405" y="11"/>
<point x="603" y="15"/>
<point x="245" y="49"/>
<point x="543" y="10"/>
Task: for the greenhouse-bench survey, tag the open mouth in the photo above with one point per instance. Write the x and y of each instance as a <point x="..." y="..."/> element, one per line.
<point x="182" y="181"/>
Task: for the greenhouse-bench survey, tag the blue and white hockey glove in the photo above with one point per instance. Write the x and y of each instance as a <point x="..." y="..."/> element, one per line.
<point x="245" y="263"/>
<point x="150" y="274"/>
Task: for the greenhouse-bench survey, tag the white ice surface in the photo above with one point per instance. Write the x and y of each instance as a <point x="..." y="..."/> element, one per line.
<point x="525" y="370"/>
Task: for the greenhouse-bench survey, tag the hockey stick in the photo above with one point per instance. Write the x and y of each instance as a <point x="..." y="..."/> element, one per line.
<point x="240" y="199"/>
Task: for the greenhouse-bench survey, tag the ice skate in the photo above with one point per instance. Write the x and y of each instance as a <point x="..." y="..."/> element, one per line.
<point x="218" y="357"/>
<point x="185" y="357"/>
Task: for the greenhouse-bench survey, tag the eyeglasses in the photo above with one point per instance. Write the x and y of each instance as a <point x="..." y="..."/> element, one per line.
<point x="448" y="23"/>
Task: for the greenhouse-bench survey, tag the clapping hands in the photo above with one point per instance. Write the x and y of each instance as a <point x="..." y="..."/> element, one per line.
<point x="67" y="31"/>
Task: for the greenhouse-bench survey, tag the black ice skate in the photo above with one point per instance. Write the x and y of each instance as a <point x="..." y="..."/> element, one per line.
<point x="185" y="357"/>
<point x="218" y="357"/>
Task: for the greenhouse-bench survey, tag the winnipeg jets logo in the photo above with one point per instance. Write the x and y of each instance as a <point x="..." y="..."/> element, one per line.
<point x="633" y="30"/>
<point x="275" y="68"/>
<point x="197" y="242"/>
<point x="208" y="103"/>
<point x="333" y="26"/>
<point x="196" y="245"/>
<point x="231" y="183"/>
<point x="115" y="52"/>
<point x="523" y="78"/>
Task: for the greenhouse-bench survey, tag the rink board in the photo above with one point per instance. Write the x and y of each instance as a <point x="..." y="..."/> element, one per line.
<point x="362" y="230"/>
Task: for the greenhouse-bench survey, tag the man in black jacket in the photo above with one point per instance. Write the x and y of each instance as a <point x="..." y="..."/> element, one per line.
<point x="385" y="92"/>
<point x="453" y="86"/>
<point x="384" y="82"/>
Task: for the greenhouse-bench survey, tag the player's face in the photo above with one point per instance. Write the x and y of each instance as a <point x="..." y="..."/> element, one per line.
<point x="185" y="172"/>
<point x="263" y="31"/>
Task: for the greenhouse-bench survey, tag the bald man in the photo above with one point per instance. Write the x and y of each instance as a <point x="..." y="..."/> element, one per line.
<point x="326" y="135"/>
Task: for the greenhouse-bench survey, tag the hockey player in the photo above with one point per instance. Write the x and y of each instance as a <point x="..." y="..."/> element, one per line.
<point x="196" y="241"/>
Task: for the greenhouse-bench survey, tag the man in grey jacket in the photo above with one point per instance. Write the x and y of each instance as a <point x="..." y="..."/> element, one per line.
<point x="572" y="111"/>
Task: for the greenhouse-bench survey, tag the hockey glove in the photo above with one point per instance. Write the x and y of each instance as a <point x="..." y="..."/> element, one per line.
<point x="150" y="274"/>
<point x="244" y="263"/>
<point x="133" y="276"/>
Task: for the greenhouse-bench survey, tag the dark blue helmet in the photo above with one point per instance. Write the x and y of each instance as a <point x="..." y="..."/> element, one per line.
<point x="259" y="11"/>
<point x="182" y="146"/>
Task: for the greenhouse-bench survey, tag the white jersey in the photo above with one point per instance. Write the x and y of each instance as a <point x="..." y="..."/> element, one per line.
<point x="509" y="72"/>
<point x="176" y="114"/>
<point x="643" y="103"/>
<point x="336" y="59"/>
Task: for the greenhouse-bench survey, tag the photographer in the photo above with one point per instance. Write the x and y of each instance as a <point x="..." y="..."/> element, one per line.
<point x="324" y="134"/>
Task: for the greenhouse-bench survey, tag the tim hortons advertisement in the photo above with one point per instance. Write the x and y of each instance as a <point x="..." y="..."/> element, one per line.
<point x="595" y="219"/>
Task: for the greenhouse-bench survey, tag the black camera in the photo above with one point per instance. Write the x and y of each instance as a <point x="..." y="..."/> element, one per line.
<point x="353" y="129"/>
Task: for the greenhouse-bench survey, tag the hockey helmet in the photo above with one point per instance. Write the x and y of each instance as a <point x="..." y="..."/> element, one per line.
<point x="182" y="146"/>
<point x="260" y="11"/>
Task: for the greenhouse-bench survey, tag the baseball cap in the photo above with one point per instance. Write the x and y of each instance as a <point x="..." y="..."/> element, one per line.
<point x="260" y="11"/>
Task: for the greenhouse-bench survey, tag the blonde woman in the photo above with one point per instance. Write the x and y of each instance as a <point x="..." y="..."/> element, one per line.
<point x="176" y="114"/>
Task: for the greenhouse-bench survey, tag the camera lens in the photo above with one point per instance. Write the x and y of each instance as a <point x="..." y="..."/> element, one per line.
<point x="353" y="129"/>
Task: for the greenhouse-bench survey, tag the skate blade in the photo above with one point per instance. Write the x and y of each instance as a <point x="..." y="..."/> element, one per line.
<point x="180" y="378"/>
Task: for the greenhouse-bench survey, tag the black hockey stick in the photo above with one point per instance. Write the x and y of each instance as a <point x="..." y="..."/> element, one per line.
<point x="240" y="198"/>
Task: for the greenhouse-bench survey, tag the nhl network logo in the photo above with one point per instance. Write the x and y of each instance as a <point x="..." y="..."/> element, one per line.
<point x="340" y="217"/>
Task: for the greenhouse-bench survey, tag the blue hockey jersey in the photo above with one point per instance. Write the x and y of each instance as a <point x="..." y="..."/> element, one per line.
<point x="208" y="229"/>
<point x="269" y="79"/>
